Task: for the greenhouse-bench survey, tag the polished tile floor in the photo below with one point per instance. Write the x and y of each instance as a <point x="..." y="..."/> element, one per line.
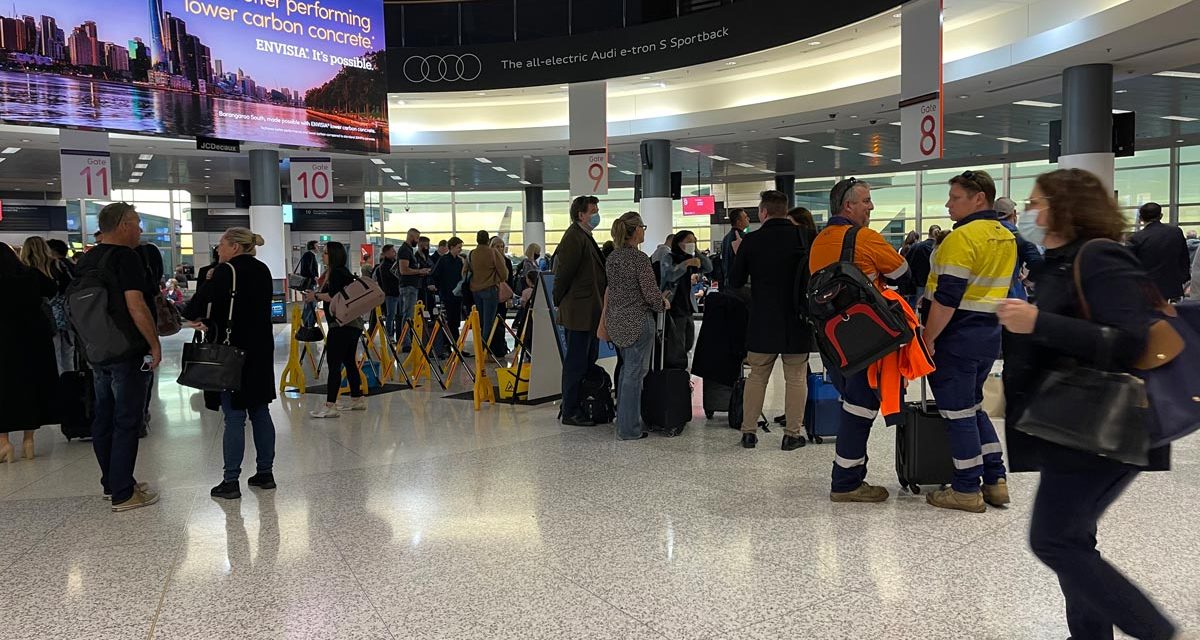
<point x="423" y="519"/>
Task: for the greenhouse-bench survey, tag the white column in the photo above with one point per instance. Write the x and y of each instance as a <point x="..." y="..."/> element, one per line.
<point x="656" y="215"/>
<point x="267" y="221"/>
<point x="535" y="232"/>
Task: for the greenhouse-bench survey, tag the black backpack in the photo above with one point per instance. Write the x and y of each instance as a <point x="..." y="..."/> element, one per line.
<point x="855" y="324"/>
<point x="97" y="311"/>
<point x="596" y="390"/>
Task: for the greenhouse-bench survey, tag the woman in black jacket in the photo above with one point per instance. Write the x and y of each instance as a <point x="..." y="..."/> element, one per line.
<point x="341" y="347"/>
<point x="28" y="377"/>
<point x="243" y="281"/>
<point x="677" y="272"/>
<point x="1072" y="207"/>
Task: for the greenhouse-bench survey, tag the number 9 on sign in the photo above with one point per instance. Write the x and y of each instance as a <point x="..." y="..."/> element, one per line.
<point x="596" y="173"/>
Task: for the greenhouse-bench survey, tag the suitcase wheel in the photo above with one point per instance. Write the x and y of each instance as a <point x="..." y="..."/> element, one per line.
<point x="916" y="489"/>
<point x="709" y="414"/>
<point x="818" y="439"/>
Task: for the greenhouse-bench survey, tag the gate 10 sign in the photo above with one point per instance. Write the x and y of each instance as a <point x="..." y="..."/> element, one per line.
<point x="312" y="180"/>
<point x="85" y="174"/>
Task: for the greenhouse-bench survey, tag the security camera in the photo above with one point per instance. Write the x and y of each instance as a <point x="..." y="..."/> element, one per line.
<point x="874" y="122"/>
<point x="407" y="209"/>
<point x="833" y="116"/>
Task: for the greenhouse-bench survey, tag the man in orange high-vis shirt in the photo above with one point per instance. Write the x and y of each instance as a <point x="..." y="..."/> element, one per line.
<point x="850" y="204"/>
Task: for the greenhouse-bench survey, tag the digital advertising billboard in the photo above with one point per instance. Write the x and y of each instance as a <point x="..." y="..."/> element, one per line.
<point x="305" y="73"/>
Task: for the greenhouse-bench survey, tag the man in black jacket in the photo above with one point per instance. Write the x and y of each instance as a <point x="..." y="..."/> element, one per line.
<point x="1163" y="252"/>
<point x="385" y="275"/>
<point x="772" y="258"/>
<point x="918" y="260"/>
<point x="309" y="267"/>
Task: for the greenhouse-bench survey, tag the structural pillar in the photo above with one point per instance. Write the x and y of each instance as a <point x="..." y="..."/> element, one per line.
<point x="266" y="212"/>
<point x="1087" y="121"/>
<point x="534" y="227"/>
<point x="787" y="186"/>
<point x="656" y="192"/>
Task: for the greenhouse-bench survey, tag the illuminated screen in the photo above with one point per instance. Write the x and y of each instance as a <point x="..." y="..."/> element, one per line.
<point x="699" y="205"/>
<point x="296" y="72"/>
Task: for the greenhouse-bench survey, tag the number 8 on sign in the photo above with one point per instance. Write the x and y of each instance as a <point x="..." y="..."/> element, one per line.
<point x="928" y="135"/>
<point x="596" y="172"/>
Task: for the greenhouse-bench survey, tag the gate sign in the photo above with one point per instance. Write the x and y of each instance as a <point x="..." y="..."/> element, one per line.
<point x="312" y="179"/>
<point x="921" y="81"/>
<point x="85" y="164"/>
<point x="589" y="172"/>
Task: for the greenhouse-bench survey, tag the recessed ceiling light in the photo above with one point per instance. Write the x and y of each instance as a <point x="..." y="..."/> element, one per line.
<point x="961" y="132"/>
<point x="979" y="116"/>
<point x="895" y="124"/>
<point x="612" y="166"/>
<point x="814" y="43"/>
<point x="483" y="160"/>
<point x="897" y="15"/>
<point x="1037" y="103"/>
<point x="1117" y="112"/>
<point x="834" y="147"/>
<point x="793" y="139"/>
<point x="719" y="158"/>
<point x="856" y="134"/>
<point x="563" y="86"/>
<point x="376" y="161"/>
<point x="146" y="156"/>
<point x="1121" y="91"/>
<point x="1179" y="118"/>
<point x="688" y="149"/>
<point x="499" y="169"/>
<point x="730" y="63"/>
<point x="765" y="171"/>
<point x="481" y="93"/>
<point x="743" y="164"/>
<point x="1045" y="145"/>
<point x="525" y="182"/>
<point x="661" y="85"/>
<point x="208" y="159"/>
<point x="897" y="160"/>
<point x="404" y="184"/>
<point x="207" y="187"/>
<point x="388" y="170"/>
<point x="1008" y="139"/>
<point x="811" y="161"/>
<point x="853" y="117"/>
<point x="514" y="176"/>
<point x="870" y="155"/>
<point x="963" y="97"/>
<point x="133" y="180"/>
<point x="10" y="150"/>
<point x="3" y="159"/>
<point x="141" y="165"/>
<point x="627" y="172"/>
<point x="400" y="103"/>
<point x="49" y="183"/>
<point x="1179" y="141"/>
<point x="26" y="140"/>
<point x="398" y="178"/>
<point x="137" y="174"/>
<point x="1179" y="74"/>
<point x="645" y="77"/>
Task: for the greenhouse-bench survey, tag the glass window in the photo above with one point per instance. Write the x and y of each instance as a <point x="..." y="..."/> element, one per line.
<point x="1135" y="187"/>
<point x="487" y="21"/>
<point x="470" y="218"/>
<point x="1145" y="158"/>
<point x="426" y="217"/>
<point x="1189" y="184"/>
<point x="1189" y="154"/>
<point x="1189" y="215"/>
<point x="1032" y="168"/>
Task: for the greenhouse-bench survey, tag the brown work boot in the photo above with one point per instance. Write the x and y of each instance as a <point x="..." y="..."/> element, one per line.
<point x="951" y="499"/>
<point x="864" y="493"/>
<point x="996" y="494"/>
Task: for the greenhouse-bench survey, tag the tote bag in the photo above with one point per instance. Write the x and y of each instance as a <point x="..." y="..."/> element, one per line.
<point x="215" y="366"/>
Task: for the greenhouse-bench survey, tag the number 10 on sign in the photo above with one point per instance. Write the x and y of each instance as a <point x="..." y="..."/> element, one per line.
<point x="312" y="180"/>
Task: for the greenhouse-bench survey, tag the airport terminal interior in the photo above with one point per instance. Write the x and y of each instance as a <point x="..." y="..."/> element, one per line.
<point x="458" y="503"/>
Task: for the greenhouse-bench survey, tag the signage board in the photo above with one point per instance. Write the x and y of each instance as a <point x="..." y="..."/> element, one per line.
<point x="204" y="143"/>
<point x="589" y="172"/>
<point x="306" y="73"/>
<point x="85" y="164"/>
<point x="699" y="205"/>
<point x="921" y="99"/>
<point x="312" y="180"/>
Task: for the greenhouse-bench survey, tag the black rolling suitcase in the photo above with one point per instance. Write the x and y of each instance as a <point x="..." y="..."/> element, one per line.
<point x="923" y="446"/>
<point x="716" y="397"/>
<point x="666" y="394"/>
<point x="76" y="401"/>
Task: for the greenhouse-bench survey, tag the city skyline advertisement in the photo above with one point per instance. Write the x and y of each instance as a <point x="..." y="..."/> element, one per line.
<point x="296" y="72"/>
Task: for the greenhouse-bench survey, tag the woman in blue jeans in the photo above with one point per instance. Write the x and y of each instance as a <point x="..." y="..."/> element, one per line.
<point x="242" y="281"/>
<point x="630" y="306"/>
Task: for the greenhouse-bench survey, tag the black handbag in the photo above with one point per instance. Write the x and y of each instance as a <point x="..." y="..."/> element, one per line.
<point x="310" y="334"/>
<point x="214" y="366"/>
<point x="1091" y="409"/>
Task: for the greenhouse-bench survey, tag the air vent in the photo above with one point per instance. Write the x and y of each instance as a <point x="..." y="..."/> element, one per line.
<point x="1156" y="49"/>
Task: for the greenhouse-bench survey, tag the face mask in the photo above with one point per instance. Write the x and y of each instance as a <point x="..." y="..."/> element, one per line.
<point x="594" y="221"/>
<point x="536" y="256"/>
<point x="688" y="248"/>
<point x="1029" y="229"/>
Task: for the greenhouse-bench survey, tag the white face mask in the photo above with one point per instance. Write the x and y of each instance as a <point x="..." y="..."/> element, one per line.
<point x="1029" y="229"/>
<point x="688" y="248"/>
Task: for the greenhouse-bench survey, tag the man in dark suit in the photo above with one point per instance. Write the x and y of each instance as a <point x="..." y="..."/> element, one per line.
<point x="579" y="284"/>
<point x="1163" y="252"/>
<point x="771" y="258"/>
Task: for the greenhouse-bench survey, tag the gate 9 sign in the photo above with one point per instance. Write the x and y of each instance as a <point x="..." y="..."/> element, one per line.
<point x="312" y="180"/>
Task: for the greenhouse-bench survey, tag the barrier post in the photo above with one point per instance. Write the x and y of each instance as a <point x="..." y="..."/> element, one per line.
<point x="416" y="361"/>
<point x="483" y="392"/>
<point x="293" y="373"/>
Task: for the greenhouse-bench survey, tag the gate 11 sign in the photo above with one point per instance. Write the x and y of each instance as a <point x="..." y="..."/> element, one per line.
<point x="312" y="180"/>
<point x="85" y="174"/>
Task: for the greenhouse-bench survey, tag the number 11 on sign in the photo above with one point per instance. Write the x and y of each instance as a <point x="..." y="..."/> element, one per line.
<point x="85" y="175"/>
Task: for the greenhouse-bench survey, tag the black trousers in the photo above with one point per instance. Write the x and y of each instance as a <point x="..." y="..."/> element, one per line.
<point x="1062" y="534"/>
<point x="341" y="350"/>
<point x="583" y="348"/>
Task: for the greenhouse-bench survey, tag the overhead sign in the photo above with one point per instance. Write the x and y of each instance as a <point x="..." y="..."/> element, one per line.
<point x="306" y="73"/>
<point x="921" y="99"/>
<point x="85" y="164"/>
<point x="587" y="106"/>
<point x="699" y="205"/>
<point x="732" y="30"/>
<point x="218" y="144"/>
<point x="312" y="180"/>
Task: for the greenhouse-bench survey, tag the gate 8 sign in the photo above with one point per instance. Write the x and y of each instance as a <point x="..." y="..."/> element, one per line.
<point x="312" y="180"/>
<point x="921" y="131"/>
<point x="85" y="174"/>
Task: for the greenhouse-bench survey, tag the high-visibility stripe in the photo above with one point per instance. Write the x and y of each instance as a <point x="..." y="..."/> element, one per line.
<point x="959" y="414"/>
<point x="861" y="412"/>
<point x="898" y="272"/>
<point x="847" y="463"/>
<point x="987" y="305"/>
<point x="990" y="283"/>
<point x="992" y="447"/>
<point x="977" y="461"/>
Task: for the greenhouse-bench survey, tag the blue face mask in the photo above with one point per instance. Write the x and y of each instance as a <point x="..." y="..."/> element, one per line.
<point x="1029" y="229"/>
<point x="594" y="221"/>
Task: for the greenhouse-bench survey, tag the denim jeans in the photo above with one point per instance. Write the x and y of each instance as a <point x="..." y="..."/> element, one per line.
<point x="488" y="303"/>
<point x="234" y="443"/>
<point x="583" y="348"/>
<point x="635" y="362"/>
<point x="121" y="391"/>
<point x="404" y="312"/>
<point x="391" y="307"/>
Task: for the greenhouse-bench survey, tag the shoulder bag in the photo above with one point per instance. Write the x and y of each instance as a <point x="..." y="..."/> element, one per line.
<point x="1090" y="409"/>
<point x="215" y="366"/>
<point x="297" y="282"/>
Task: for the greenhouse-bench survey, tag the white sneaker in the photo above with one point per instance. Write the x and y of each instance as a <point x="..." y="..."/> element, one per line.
<point x="326" y="411"/>
<point x="357" y="404"/>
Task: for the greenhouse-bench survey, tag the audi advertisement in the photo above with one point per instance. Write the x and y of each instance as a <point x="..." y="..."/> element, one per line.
<point x="303" y="73"/>
<point x="732" y="30"/>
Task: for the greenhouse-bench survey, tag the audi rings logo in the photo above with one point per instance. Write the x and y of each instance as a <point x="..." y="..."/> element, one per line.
<point x="447" y="68"/>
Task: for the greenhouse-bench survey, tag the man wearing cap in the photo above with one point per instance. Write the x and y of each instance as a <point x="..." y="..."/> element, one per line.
<point x="850" y="203"/>
<point x="970" y="275"/>
<point x="1028" y="256"/>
